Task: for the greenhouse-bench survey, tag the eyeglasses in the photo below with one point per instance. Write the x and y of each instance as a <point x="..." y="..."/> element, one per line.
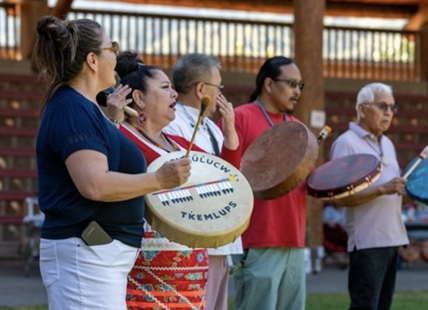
<point x="384" y="107"/>
<point x="219" y="86"/>
<point x="113" y="48"/>
<point x="291" y="83"/>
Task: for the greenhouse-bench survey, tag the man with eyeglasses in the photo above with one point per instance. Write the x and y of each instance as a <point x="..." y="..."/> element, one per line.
<point x="270" y="274"/>
<point x="373" y="217"/>
<point x="195" y="76"/>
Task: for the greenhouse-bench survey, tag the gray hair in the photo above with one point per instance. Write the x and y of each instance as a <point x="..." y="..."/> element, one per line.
<point x="191" y="69"/>
<point x="368" y="92"/>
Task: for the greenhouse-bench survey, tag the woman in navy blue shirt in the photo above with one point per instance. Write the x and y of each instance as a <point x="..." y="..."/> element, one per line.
<point x="88" y="171"/>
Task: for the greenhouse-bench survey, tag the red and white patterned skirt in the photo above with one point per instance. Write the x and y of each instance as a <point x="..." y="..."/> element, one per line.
<point x="167" y="275"/>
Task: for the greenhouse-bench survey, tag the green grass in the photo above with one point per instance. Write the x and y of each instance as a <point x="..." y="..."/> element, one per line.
<point x="403" y="300"/>
<point x="25" y="308"/>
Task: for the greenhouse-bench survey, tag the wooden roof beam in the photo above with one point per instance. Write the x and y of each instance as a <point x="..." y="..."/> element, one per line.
<point x="418" y="19"/>
<point x="340" y="8"/>
<point x="62" y="8"/>
<point x="370" y="10"/>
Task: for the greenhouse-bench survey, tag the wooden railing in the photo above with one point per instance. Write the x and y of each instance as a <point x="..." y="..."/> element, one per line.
<point x="350" y="53"/>
<point x="387" y="55"/>
<point x="9" y="31"/>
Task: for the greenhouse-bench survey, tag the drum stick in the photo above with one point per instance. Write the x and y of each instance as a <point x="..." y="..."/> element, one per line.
<point x="130" y="111"/>
<point x="323" y="134"/>
<point x="204" y="104"/>
<point x="421" y="157"/>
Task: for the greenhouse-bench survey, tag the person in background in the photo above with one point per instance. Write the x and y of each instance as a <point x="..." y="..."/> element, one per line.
<point x="270" y="274"/>
<point x="166" y="274"/>
<point x="332" y="216"/>
<point x="88" y="171"/>
<point x="335" y="238"/>
<point x="373" y="217"/>
<point x="194" y="76"/>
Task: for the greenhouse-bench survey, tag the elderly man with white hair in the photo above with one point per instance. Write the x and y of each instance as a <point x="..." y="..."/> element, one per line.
<point x="373" y="216"/>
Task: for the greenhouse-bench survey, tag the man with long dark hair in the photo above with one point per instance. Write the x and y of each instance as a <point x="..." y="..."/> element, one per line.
<point x="271" y="273"/>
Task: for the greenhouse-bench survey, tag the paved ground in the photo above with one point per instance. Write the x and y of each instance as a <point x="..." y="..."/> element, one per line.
<point x="18" y="290"/>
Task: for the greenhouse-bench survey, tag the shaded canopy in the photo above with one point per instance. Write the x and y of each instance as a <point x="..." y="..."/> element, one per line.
<point x="416" y="11"/>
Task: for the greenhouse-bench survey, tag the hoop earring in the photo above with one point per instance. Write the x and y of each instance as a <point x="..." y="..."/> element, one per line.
<point x="142" y="118"/>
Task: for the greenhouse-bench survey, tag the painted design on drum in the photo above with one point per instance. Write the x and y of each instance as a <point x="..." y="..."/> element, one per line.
<point x="204" y="190"/>
<point x="180" y="196"/>
<point x="211" y="209"/>
<point x="209" y="216"/>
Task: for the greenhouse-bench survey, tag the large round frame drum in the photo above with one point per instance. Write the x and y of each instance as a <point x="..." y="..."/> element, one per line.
<point x="279" y="159"/>
<point x="211" y="209"/>
<point x="344" y="176"/>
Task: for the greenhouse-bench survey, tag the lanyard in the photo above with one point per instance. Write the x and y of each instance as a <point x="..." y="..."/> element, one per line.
<point x="265" y="113"/>
<point x="213" y="142"/>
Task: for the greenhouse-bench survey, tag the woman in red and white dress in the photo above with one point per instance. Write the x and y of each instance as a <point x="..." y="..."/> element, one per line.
<point x="166" y="275"/>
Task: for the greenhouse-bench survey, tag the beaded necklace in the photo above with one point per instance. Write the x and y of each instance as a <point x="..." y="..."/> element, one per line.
<point x="171" y="143"/>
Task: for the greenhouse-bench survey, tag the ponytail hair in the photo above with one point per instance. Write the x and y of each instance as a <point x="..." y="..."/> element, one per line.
<point x="61" y="48"/>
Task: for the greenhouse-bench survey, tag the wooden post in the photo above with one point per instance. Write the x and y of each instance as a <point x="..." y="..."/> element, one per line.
<point x="31" y="11"/>
<point x="424" y="52"/>
<point x="308" y="34"/>
<point x="62" y="8"/>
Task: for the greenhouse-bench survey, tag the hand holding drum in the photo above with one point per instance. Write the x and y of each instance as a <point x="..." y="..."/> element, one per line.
<point x="174" y="173"/>
<point x="395" y="186"/>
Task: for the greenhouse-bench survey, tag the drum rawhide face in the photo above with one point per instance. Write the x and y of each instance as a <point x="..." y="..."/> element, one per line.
<point x="211" y="209"/>
<point x="344" y="176"/>
<point x="279" y="159"/>
<point x="417" y="181"/>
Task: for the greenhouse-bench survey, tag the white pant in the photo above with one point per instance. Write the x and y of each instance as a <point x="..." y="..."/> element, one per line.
<point x="81" y="277"/>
